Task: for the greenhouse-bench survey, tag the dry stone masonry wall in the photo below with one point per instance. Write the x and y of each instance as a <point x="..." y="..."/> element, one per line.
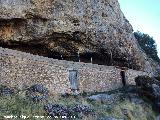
<point x="131" y="74"/>
<point x="18" y="69"/>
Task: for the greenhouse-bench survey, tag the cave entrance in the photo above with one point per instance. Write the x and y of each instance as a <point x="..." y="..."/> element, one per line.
<point x="35" y="49"/>
<point x="42" y="49"/>
<point x="123" y="77"/>
<point x="73" y="80"/>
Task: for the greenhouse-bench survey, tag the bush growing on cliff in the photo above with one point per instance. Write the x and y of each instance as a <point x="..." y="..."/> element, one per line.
<point x="148" y="44"/>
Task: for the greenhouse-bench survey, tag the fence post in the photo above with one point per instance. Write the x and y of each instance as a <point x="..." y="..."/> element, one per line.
<point x="91" y="60"/>
<point x="61" y="57"/>
<point x="79" y="57"/>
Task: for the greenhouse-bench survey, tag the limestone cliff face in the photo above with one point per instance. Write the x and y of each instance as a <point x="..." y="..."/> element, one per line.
<point x="97" y="27"/>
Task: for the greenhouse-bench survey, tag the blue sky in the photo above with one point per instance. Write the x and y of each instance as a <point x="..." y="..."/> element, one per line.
<point x="144" y="15"/>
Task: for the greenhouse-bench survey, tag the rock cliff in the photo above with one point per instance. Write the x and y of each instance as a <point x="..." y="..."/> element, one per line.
<point x="94" y="28"/>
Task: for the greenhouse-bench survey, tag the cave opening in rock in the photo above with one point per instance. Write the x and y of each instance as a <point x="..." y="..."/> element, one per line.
<point x="42" y="50"/>
<point x="86" y="57"/>
<point x="35" y="49"/>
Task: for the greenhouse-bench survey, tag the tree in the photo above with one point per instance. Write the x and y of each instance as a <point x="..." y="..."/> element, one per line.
<point x="148" y="44"/>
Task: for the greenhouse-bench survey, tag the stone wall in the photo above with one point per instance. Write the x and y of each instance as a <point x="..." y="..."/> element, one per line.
<point x="18" y="69"/>
<point x="132" y="74"/>
<point x="99" y="79"/>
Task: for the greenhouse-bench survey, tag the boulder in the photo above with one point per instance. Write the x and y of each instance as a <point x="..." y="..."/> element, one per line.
<point x="104" y="98"/>
<point x="158" y="117"/>
<point x="136" y="99"/>
<point x="37" y="92"/>
<point x="59" y="111"/>
<point x="83" y="109"/>
<point x="108" y="118"/>
<point x="6" y="91"/>
<point x="145" y="83"/>
<point x="149" y="87"/>
<point x="156" y="93"/>
<point x="156" y="90"/>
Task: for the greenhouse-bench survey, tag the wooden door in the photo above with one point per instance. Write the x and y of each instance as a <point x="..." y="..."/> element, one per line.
<point x="73" y="79"/>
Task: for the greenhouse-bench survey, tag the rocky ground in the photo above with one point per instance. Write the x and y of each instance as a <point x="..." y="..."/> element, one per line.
<point x="121" y="104"/>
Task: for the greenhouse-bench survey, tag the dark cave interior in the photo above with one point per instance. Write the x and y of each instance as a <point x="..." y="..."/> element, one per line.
<point x="42" y="50"/>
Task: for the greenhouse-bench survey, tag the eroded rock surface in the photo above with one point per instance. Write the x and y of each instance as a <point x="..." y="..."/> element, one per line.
<point x="97" y="27"/>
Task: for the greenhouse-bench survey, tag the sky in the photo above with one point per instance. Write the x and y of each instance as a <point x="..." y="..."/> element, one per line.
<point x="144" y="16"/>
